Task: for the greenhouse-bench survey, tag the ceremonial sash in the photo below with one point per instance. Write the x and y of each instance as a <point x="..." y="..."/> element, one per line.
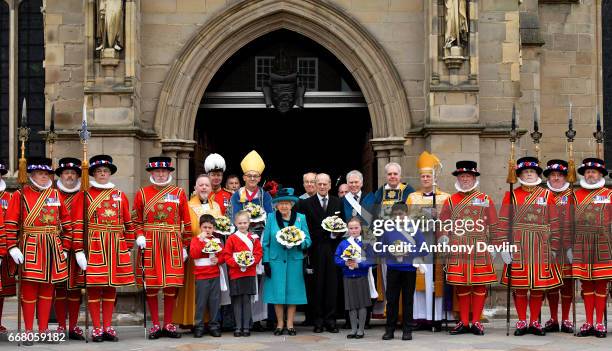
<point x="358" y="209"/>
<point x="581" y="207"/>
<point x="154" y="200"/>
<point x="528" y="201"/>
<point x="245" y="239"/>
<point x="35" y="210"/>
<point x="94" y="203"/>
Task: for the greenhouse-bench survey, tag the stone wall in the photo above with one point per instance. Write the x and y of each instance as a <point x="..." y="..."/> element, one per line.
<point x="470" y="121"/>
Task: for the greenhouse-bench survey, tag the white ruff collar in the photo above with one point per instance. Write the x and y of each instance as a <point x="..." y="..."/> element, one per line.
<point x="537" y="182"/>
<point x="95" y="184"/>
<point x="63" y="188"/>
<point x="161" y="184"/>
<point x="466" y="190"/>
<point x="41" y="187"/>
<point x="597" y="185"/>
<point x="2" y="185"/>
<point x="555" y="190"/>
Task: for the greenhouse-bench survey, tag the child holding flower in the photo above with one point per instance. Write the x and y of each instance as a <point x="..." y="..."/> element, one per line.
<point x="242" y="253"/>
<point x="205" y="250"/>
<point x="355" y="258"/>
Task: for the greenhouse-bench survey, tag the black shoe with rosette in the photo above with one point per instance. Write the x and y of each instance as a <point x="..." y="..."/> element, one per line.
<point x="460" y="328"/>
<point x="521" y="328"/>
<point x="155" y="332"/>
<point x="600" y="330"/>
<point x="97" y="335"/>
<point x="536" y="329"/>
<point x="477" y="328"/>
<point x="170" y="331"/>
<point x="110" y="335"/>
<point x="587" y="329"/>
<point x="551" y="326"/>
<point x="76" y="334"/>
<point x="567" y="327"/>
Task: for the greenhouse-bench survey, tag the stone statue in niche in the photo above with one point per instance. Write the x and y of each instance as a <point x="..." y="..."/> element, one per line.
<point x="456" y="33"/>
<point x="109" y="24"/>
<point x="282" y="90"/>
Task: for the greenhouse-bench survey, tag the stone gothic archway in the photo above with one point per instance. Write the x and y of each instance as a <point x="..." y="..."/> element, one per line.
<point x="318" y="20"/>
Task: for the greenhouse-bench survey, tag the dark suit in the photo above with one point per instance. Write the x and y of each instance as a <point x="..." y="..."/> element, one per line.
<point x="326" y="273"/>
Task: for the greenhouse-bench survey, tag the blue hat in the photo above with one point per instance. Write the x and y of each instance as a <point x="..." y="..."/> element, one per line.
<point x="285" y="194"/>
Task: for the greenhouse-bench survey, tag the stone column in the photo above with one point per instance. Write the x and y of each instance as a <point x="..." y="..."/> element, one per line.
<point x="387" y="150"/>
<point x="179" y="151"/>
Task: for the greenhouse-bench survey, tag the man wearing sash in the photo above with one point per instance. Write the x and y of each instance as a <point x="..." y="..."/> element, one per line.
<point x="111" y="234"/>
<point x="536" y="238"/>
<point x="68" y="294"/>
<point x="420" y="205"/>
<point x="556" y="173"/>
<point x="42" y="248"/>
<point x="163" y="231"/>
<point x="7" y="265"/>
<point x="469" y="273"/>
<point x="214" y="165"/>
<point x="591" y="254"/>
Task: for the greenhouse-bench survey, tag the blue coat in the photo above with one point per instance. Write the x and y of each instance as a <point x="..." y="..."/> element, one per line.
<point x="286" y="284"/>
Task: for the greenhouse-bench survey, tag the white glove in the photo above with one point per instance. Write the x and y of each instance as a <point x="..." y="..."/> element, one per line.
<point x="554" y="254"/>
<point x="443" y="240"/>
<point x="16" y="255"/>
<point x="185" y="255"/>
<point x="65" y="254"/>
<point x="570" y="255"/>
<point x="506" y="256"/>
<point x="81" y="260"/>
<point x="493" y="255"/>
<point x="0" y="261"/>
<point x="141" y="242"/>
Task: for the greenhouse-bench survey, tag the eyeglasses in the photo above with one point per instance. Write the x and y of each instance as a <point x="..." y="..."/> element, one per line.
<point x="252" y="176"/>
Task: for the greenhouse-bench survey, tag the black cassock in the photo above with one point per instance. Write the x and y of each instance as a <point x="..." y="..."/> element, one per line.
<point x="326" y="275"/>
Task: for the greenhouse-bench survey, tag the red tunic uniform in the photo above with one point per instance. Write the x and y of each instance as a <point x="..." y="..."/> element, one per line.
<point x="592" y="248"/>
<point x="8" y="268"/>
<point x="535" y="233"/>
<point x="110" y="229"/>
<point x="73" y="269"/>
<point x="564" y="201"/>
<point x="223" y="198"/>
<point x="47" y="232"/>
<point x="476" y="268"/>
<point x="159" y="214"/>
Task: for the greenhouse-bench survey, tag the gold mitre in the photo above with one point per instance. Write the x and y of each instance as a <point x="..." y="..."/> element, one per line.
<point x="252" y="162"/>
<point x="427" y="163"/>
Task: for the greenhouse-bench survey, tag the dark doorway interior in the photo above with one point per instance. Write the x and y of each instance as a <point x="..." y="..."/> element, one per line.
<point x="331" y="140"/>
<point x="330" y="134"/>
